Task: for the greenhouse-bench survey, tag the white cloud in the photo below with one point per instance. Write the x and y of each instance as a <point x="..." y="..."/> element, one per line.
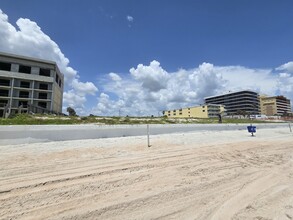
<point x="152" y="77"/>
<point x="285" y="85"/>
<point x="149" y="89"/>
<point x="239" y="77"/>
<point x="115" y="77"/>
<point x="286" y="67"/>
<point x="71" y="98"/>
<point x="107" y="106"/>
<point x="30" y="40"/>
<point x="129" y="18"/>
<point x="84" y="88"/>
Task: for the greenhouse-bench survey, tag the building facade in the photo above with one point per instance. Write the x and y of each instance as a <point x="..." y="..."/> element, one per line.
<point x="275" y="105"/>
<point x="204" y="111"/>
<point x="237" y="103"/>
<point x="29" y="85"/>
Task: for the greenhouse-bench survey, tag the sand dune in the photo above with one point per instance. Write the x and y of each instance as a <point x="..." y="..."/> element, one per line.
<point x="200" y="175"/>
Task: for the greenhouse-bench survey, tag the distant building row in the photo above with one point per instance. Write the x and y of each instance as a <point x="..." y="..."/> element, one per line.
<point x="237" y="103"/>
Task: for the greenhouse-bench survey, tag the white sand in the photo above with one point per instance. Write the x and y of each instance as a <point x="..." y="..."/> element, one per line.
<point x="202" y="175"/>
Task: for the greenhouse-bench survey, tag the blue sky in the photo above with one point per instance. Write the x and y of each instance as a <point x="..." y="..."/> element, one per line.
<point x="178" y="51"/>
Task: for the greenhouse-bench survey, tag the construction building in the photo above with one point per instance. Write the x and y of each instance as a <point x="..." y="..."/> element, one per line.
<point x="275" y="105"/>
<point x="237" y="103"/>
<point x="204" y="111"/>
<point x="29" y="85"/>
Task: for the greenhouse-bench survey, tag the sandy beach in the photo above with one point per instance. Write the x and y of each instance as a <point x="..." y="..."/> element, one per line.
<point x="194" y="175"/>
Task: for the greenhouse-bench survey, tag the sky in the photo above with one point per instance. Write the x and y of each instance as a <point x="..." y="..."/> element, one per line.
<point x="140" y="57"/>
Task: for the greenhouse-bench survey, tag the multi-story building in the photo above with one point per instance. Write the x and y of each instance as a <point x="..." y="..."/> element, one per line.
<point x="204" y="111"/>
<point x="242" y="102"/>
<point x="275" y="105"/>
<point x="29" y="85"/>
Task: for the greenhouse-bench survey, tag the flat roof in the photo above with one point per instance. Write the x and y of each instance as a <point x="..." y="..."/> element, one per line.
<point x="197" y="106"/>
<point x="230" y="93"/>
<point x="275" y="97"/>
<point x="27" y="58"/>
<point x="30" y="59"/>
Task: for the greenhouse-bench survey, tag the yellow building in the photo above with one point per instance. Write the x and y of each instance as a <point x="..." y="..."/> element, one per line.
<point x="203" y="111"/>
<point x="275" y="105"/>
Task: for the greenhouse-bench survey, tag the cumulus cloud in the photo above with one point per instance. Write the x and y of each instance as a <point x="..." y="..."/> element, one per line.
<point x="239" y="77"/>
<point x="285" y="85"/>
<point x="84" y="88"/>
<point x="149" y="89"/>
<point x="114" y="77"/>
<point x="146" y="89"/>
<point x="29" y="40"/>
<point x="108" y="106"/>
<point x="286" y="67"/>
<point x="152" y="77"/>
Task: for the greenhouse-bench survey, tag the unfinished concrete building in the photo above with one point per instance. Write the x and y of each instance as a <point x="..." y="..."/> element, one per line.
<point x="29" y="85"/>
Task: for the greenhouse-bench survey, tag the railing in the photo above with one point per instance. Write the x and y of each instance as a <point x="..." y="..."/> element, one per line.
<point x="33" y="109"/>
<point x="26" y="108"/>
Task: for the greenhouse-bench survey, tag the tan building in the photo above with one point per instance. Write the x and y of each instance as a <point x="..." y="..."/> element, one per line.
<point x="275" y="105"/>
<point x="204" y="111"/>
<point x="29" y="85"/>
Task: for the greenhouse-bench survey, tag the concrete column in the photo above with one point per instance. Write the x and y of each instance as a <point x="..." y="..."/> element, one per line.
<point x="11" y="96"/>
<point x="52" y="97"/>
<point x="33" y="89"/>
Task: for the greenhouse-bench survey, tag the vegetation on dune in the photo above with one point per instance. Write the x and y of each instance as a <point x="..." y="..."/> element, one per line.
<point x="37" y="119"/>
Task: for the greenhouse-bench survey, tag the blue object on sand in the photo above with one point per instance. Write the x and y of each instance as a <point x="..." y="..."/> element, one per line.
<point x="251" y="129"/>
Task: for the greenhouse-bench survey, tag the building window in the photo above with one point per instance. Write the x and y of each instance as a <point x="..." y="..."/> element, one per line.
<point x="44" y="72"/>
<point x="42" y="95"/>
<point x="24" y="69"/>
<point x="203" y="110"/>
<point x="42" y="104"/>
<point x="23" y="103"/>
<point x="4" y="92"/>
<point x="23" y="94"/>
<point x="5" y="66"/>
<point x="24" y="84"/>
<point x="57" y="78"/>
<point x="4" y="82"/>
<point x="3" y="102"/>
<point x="43" y="86"/>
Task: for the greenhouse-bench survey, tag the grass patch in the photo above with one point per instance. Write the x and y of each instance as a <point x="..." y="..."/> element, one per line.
<point x="25" y="119"/>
